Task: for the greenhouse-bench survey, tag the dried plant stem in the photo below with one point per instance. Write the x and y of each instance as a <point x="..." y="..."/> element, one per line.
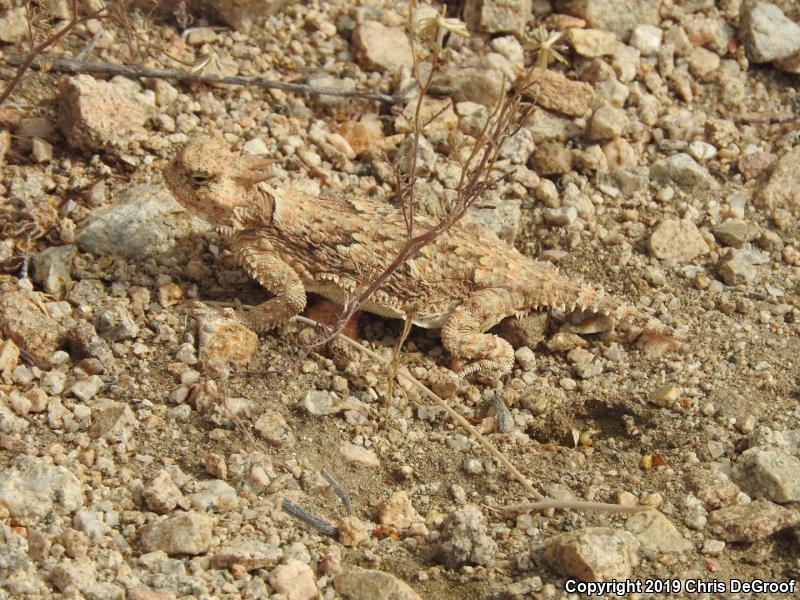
<point x="542" y="505"/>
<point x="67" y="65"/>
<point x="339" y="491"/>
<point x="298" y="512"/>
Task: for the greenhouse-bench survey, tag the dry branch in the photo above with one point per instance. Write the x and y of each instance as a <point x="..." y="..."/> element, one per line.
<point x="29" y="61"/>
<point x="67" y="65"/>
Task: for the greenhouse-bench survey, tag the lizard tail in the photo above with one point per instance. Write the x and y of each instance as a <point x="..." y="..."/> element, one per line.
<point x="650" y="334"/>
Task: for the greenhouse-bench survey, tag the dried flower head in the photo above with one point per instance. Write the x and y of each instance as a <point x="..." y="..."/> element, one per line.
<point x="435" y="28"/>
<point x="543" y="43"/>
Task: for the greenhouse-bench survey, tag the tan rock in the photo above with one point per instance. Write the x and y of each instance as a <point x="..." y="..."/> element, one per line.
<point x="618" y="16"/>
<point x="382" y="48"/>
<point x="678" y="239"/>
<point x="497" y="16"/>
<point x="555" y="91"/>
<point x="13" y="25"/>
<point x="593" y="553"/>
<point x="352" y="532"/>
<point x="295" y="580"/>
<point x="750" y="522"/>
<point x="25" y="322"/>
<point x="398" y="511"/>
<point x="591" y="43"/>
<point x="656" y="533"/>
<point x="783" y="188"/>
<point x="161" y="494"/>
<point x="183" y="533"/>
<point x="9" y="356"/>
<point x="359" y="456"/>
<point x="273" y="427"/>
<point x="361" y="584"/>
<point x="95" y="114"/>
<point x="607" y="122"/>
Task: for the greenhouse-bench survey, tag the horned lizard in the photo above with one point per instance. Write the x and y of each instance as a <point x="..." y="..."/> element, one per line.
<point x="464" y="282"/>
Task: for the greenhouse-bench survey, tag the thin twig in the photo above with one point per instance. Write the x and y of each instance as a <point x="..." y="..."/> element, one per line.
<point x="542" y="505"/>
<point x="67" y="65"/>
<point x="298" y="512"/>
<point x="339" y="491"/>
<point x="87" y="49"/>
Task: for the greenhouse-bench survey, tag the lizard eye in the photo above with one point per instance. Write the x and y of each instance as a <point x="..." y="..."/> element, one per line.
<point x="199" y="178"/>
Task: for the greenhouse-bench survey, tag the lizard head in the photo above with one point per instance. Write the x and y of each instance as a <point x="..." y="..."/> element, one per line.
<point x="214" y="183"/>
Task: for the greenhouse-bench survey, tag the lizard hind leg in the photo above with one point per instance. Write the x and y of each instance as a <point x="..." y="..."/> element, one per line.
<point x="463" y="334"/>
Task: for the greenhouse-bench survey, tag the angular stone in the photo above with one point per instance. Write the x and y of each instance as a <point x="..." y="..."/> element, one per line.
<point x="359" y="456"/>
<point x="482" y="80"/>
<point x="617" y="16"/>
<point x="783" y="188"/>
<point x="295" y="580"/>
<point x="767" y="473"/>
<point x="526" y="331"/>
<point x="161" y="494"/>
<point x="593" y="553"/>
<point x="681" y="169"/>
<point x="9" y="356"/>
<point x="497" y="16"/>
<point x="184" y="533"/>
<point x="677" y="239"/>
<point x="736" y="232"/>
<point x="96" y="114"/>
<point x="52" y="269"/>
<point x="551" y="158"/>
<point x="214" y="495"/>
<point x="591" y="43"/>
<point x="607" y="122"/>
<point x="116" y="323"/>
<point x="13" y="553"/>
<point x="398" y="511"/>
<point x="555" y="91"/>
<point x="13" y="25"/>
<point x="356" y="583"/>
<point x="713" y="488"/>
<point x="382" y="48"/>
<point x="29" y="327"/>
<point x="741" y="267"/>
<point x="464" y="539"/>
<point x="656" y="533"/>
<point x="273" y="427"/>
<point x="112" y="421"/>
<point x="242" y="15"/>
<point x="767" y="34"/>
<point x="750" y="522"/>
<point x="84" y="342"/>
<point x="146" y="220"/>
<point x="250" y="554"/>
<point x="32" y="488"/>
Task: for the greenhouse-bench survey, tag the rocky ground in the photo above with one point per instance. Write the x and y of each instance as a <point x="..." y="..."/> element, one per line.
<point x="145" y="455"/>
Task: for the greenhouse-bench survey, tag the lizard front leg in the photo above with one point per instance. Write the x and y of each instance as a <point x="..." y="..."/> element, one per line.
<point x="267" y="268"/>
<point x="463" y="333"/>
